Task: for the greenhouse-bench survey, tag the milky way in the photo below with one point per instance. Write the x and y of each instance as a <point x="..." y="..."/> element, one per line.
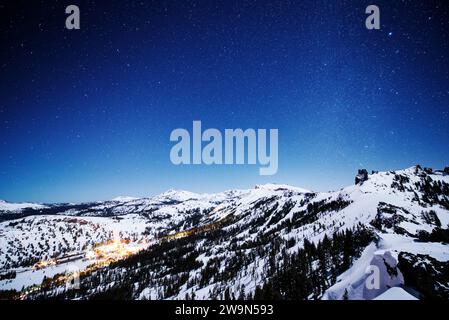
<point x="87" y="114"/>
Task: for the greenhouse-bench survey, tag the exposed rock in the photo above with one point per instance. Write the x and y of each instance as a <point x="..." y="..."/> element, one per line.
<point x="425" y="274"/>
<point x="391" y="217"/>
<point x="428" y="170"/>
<point x="361" y="176"/>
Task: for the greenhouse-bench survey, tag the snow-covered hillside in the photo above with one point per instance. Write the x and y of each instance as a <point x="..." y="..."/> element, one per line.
<point x="17" y="207"/>
<point x="245" y="243"/>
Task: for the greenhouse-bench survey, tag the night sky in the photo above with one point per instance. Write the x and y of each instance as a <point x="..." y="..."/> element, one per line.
<point x="87" y="114"/>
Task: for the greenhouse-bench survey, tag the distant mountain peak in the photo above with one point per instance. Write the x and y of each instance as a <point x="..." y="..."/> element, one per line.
<point x="124" y="198"/>
<point x="275" y="186"/>
<point x="176" y="194"/>
<point x="16" y="207"/>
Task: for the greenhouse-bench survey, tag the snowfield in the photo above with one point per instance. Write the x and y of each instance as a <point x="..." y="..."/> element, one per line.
<point x="395" y="294"/>
<point x="17" y="207"/>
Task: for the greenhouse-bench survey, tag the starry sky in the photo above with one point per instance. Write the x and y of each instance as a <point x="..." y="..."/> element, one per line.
<point x="87" y="114"/>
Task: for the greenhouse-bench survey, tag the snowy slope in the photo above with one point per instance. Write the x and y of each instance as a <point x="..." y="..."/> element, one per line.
<point x="395" y="293"/>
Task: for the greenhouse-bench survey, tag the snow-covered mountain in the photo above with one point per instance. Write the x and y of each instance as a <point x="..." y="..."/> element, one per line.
<point x="272" y="241"/>
<point x="124" y="198"/>
<point x="7" y="207"/>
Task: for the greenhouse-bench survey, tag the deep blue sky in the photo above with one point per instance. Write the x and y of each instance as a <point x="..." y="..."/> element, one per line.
<point x="86" y="115"/>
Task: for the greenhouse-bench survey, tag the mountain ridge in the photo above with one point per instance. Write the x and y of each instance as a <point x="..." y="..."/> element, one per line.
<point x="186" y="194"/>
<point x="397" y="216"/>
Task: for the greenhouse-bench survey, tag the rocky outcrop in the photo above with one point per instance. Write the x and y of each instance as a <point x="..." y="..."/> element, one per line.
<point x="361" y="176"/>
<point x="428" y="170"/>
<point x="425" y="274"/>
<point x="384" y="274"/>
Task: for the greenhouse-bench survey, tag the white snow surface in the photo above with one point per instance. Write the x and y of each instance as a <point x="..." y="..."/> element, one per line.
<point x="17" y="207"/>
<point x="395" y="293"/>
